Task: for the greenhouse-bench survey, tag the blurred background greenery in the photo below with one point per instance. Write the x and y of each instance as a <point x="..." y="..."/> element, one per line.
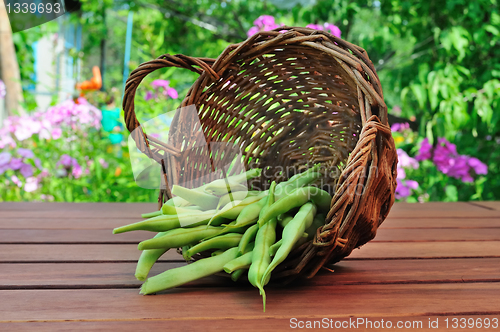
<point x="437" y="61"/>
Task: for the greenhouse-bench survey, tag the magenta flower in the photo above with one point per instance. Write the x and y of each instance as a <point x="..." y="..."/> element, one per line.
<point x="252" y="31"/>
<point x="404" y="189"/>
<point x="56" y="133"/>
<point x="425" y="152"/>
<point x="171" y="92"/>
<point x="334" y="30"/>
<point x="77" y="171"/>
<point x="160" y="84"/>
<point x="149" y="96"/>
<point x="478" y="166"/>
<point x="314" y="26"/>
<point x="3" y="90"/>
<point x="400" y="127"/>
<point x="264" y="21"/>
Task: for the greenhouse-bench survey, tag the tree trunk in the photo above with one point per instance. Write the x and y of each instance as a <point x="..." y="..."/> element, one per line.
<point x="9" y="67"/>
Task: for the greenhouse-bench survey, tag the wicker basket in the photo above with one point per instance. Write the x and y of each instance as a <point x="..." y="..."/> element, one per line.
<point x="303" y="96"/>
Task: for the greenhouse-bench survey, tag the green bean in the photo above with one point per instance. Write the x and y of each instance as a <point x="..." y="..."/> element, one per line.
<point x="225" y="241"/>
<point x="146" y="261"/>
<point x="181" y="275"/>
<point x="285" y="219"/>
<point x="293" y="231"/>
<point x="249" y="214"/>
<point x="222" y="188"/>
<point x="265" y="237"/>
<point x="318" y="221"/>
<point x="170" y="210"/>
<point x="167" y="222"/>
<point x="297" y="198"/>
<point x="298" y="180"/>
<point x="176" y="238"/>
<point x="247" y="237"/>
<point x="275" y="247"/>
<point x="151" y="214"/>
<point x="184" y="252"/>
<point x="233" y="209"/>
<point x="217" y="252"/>
<point x="177" y="202"/>
<point x="201" y="199"/>
<point x="237" y="274"/>
<point x="241" y="262"/>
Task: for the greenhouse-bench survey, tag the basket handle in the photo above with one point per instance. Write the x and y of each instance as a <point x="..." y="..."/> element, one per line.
<point x="166" y="60"/>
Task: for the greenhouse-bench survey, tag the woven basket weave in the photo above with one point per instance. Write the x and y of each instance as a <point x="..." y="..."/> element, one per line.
<point x="303" y="97"/>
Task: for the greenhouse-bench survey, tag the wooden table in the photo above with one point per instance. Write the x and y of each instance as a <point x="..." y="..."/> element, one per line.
<point x="62" y="269"/>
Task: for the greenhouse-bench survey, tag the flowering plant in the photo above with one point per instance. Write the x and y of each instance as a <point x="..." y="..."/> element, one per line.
<point x="267" y="23"/>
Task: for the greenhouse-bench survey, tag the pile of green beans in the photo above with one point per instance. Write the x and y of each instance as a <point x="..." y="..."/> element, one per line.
<point x="226" y="227"/>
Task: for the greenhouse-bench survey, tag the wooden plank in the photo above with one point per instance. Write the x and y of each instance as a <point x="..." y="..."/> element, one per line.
<point x="67" y="223"/>
<point x="240" y="303"/>
<point x="110" y="223"/>
<point x="75" y="253"/>
<point x="418" y="250"/>
<point x="129" y="252"/>
<point x="84" y="236"/>
<point x="441" y="223"/>
<point x="494" y="205"/>
<point x="437" y="234"/>
<point x="441" y="210"/>
<point x="366" y="323"/>
<point x="70" y="236"/>
<point x="119" y="275"/>
<point x="76" y="207"/>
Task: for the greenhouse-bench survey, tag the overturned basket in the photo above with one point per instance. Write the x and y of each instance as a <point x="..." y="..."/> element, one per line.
<point x="289" y="99"/>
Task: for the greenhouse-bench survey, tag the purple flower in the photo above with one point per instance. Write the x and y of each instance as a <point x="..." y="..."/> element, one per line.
<point x="26" y="153"/>
<point x="478" y="166"/>
<point x="77" y="171"/>
<point x="16" y="163"/>
<point x="404" y="189"/>
<point x="171" y="92"/>
<point x="65" y="160"/>
<point x="38" y="163"/>
<point x="5" y="158"/>
<point x="26" y="170"/>
<point x="252" y="31"/>
<point x="31" y="184"/>
<point x="3" y="90"/>
<point x="149" y="96"/>
<point x="425" y="151"/>
<point x="160" y="84"/>
<point x="264" y="20"/>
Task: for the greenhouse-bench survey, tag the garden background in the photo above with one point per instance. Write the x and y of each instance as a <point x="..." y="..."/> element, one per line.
<point x="437" y="62"/>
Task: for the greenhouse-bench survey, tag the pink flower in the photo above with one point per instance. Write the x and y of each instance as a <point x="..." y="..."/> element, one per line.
<point x="31" y="184"/>
<point x="400" y="126"/>
<point x="103" y="163"/>
<point x="16" y="163"/>
<point x="404" y="189"/>
<point x="56" y="133"/>
<point x="314" y="26"/>
<point x="16" y="181"/>
<point x="406" y="161"/>
<point x="77" y="171"/>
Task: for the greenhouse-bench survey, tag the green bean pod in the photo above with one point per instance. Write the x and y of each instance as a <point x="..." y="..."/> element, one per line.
<point x="167" y="222"/>
<point x="151" y="214"/>
<point x="171" y="210"/>
<point x="225" y="241"/>
<point x="318" y="221"/>
<point x="249" y="214"/>
<point x="180" y="237"/>
<point x="299" y="197"/>
<point x="147" y="259"/>
<point x="292" y="232"/>
<point x="237" y="274"/>
<point x="241" y="262"/>
<point x="177" y="202"/>
<point x="184" y="274"/>
<point x="195" y="197"/>
<point x="221" y="187"/>
<point x="247" y="237"/>
<point x="265" y="238"/>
